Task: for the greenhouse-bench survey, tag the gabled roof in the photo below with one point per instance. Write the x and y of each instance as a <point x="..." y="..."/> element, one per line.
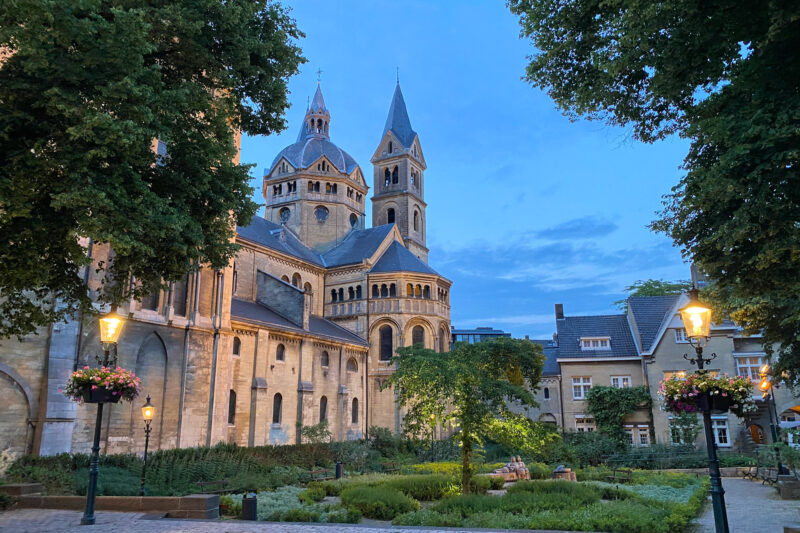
<point x="262" y="231"/>
<point x="256" y="313"/>
<point x="397" y="121"/>
<point x="356" y="246"/>
<point x="398" y="258"/>
<point x="551" y="366"/>
<point x="572" y="328"/>
<point x="649" y="313"/>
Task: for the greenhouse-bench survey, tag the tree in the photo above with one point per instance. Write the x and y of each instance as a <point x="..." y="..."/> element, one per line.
<point x="85" y="90"/>
<point x="722" y="75"/>
<point x="653" y="287"/>
<point x="472" y="386"/>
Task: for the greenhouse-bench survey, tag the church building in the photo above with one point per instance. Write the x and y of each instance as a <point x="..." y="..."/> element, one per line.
<point x="298" y="329"/>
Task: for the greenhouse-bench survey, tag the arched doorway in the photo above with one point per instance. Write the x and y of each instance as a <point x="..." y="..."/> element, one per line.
<point x="757" y="434"/>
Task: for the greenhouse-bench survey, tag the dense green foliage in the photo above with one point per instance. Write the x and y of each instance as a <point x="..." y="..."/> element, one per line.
<point x="471" y="386"/>
<point x="86" y="90"/>
<point x="611" y="405"/>
<point x="653" y="287"/>
<point x="381" y="503"/>
<point x="722" y="75"/>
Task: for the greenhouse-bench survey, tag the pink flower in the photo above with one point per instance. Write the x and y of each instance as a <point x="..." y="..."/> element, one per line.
<point x="94" y="387"/>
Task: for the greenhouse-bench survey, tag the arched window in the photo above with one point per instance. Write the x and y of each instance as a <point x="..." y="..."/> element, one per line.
<point x="310" y="186"/>
<point x="386" y="177"/>
<point x="418" y="291"/>
<point x="358" y="292"/>
<point x="384" y="291"/>
<point x="352" y="366"/>
<point x="390" y="216"/>
<point x="374" y="291"/>
<point x="296" y="280"/>
<point x="285" y="278"/>
<point x="334" y="188"/>
<point x="546" y="393"/>
<point x="392" y="291"/>
<point x="307" y="287"/>
<point x="232" y="407"/>
<point x="284" y="214"/>
<point x="280" y="353"/>
<point x="277" y="407"/>
<point x="351" y="293"/>
<point x="354" y="416"/>
<point x="237" y="346"/>
<point x="324" y="359"/>
<point x="353" y="220"/>
<point x="341" y="295"/>
<point x="416" y="221"/>
<point x="316" y="186"/>
<point x="426" y="292"/>
<point x="390" y="147"/>
<point x="386" y="344"/>
<point x="323" y="409"/>
<point x="418" y="336"/>
<point x="333" y="295"/>
<point x="409" y="291"/>
<point x="395" y="175"/>
<point x="328" y="188"/>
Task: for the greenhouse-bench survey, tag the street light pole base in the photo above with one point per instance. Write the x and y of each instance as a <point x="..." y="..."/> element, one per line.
<point x="85" y="521"/>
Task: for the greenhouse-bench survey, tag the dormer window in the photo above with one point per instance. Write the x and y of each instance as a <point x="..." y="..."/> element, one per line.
<point x="595" y="343"/>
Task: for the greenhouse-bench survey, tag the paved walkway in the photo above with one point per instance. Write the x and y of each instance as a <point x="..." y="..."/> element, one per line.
<point x="752" y="508"/>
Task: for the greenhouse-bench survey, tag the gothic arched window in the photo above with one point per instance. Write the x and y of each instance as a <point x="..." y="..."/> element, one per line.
<point x="395" y="174"/>
<point x="280" y="353"/>
<point x="416" y="221"/>
<point x="231" y="407"/>
<point x="324" y="358"/>
<point x="354" y="416"/>
<point x="418" y="336"/>
<point x="277" y="407"/>
<point x="323" y="409"/>
<point x="390" y="216"/>
<point x="386" y="344"/>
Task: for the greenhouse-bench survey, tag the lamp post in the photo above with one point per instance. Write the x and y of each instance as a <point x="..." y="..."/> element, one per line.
<point x="110" y="329"/>
<point x="767" y="388"/>
<point x="148" y="410"/>
<point x="696" y="318"/>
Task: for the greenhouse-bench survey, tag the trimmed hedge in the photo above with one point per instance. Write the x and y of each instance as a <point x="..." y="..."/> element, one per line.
<point x="380" y="503"/>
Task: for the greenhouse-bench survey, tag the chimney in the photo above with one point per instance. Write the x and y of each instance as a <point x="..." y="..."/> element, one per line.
<point x="559" y="311"/>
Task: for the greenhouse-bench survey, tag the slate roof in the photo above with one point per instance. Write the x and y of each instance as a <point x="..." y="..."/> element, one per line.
<point x="266" y="233"/>
<point x="398" y="121"/>
<point x="398" y="258"/>
<point x="255" y="312"/>
<point x="551" y="366"/>
<point x="570" y="329"/>
<point x="650" y="312"/>
<point x="318" y="103"/>
<point x="357" y="245"/>
<point x="306" y="151"/>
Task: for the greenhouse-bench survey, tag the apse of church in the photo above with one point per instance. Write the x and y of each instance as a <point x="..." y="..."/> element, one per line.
<point x="297" y="330"/>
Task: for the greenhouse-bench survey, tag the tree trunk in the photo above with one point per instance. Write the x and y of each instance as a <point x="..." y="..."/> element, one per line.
<point x="466" y="456"/>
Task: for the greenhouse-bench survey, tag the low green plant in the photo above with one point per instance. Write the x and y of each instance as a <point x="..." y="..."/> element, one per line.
<point x="496" y="520"/>
<point x="111" y="481"/>
<point x="339" y="514"/>
<point x="314" y="493"/>
<point x="427" y="517"/>
<point x="300" y="514"/>
<point x="380" y="503"/>
<point x="539" y="470"/>
<point x="497" y="483"/>
<point x="6" y="501"/>
<point x="229" y="506"/>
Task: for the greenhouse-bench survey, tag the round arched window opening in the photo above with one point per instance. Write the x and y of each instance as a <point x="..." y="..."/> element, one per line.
<point x="321" y="212"/>
<point x="353" y="220"/>
<point x="284" y="214"/>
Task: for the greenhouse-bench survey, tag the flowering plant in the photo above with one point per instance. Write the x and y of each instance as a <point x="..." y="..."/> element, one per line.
<point x="683" y="395"/>
<point x="118" y="381"/>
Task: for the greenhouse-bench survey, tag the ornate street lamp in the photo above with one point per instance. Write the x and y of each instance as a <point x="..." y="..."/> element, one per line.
<point x="110" y="328"/>
<point x="148" y="410"/>
<point x="696" y="318"/>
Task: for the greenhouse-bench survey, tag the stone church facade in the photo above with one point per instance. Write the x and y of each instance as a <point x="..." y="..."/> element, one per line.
<point x="299" y="328"/>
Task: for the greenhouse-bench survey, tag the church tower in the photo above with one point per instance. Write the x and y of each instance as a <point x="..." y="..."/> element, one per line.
<point x="313" y="187"/>
<point x="399" y="168"/>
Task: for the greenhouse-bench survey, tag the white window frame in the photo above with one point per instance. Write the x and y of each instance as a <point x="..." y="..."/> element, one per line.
<point x="721" y="423"/>
<point x="581" y="386"/>
<point x="622" y="382"/>
<point x="680" y="336"/>
<point x="585" y="424"/>
<point x="595" y="344"/>
<point x="638" y="436"/>
<point x="751" y="370"/>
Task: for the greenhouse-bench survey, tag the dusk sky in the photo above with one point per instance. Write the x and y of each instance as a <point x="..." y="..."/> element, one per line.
<point x="525" y="208"/>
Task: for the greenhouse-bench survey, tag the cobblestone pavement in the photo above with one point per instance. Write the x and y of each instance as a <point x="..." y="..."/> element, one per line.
<point x="752" y="508"/>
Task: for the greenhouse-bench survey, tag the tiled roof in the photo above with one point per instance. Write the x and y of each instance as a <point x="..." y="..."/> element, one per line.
<point x="306" y="151"/>
<point x="650" y="312"/>
<point x="397" y="121"/>
<point x="356" y="246"/>
<point x="255" y="312"/>
<point x="398" y="258"/>
<point x="572" y="328"/>
<point x="262" y="231"/>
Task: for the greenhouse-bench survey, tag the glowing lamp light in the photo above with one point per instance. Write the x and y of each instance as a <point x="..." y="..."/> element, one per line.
<point x="111" y="327"/>
<point x="696" y="317"/>
<point x="148" y="410"/>
<point x="765" y="385"/>
<point x="764" y="370"/>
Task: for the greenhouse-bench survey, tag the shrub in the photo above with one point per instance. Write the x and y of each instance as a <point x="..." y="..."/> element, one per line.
<point x="6" y="501"/>
<point x="524" y="502"/>
<point x="312" y="494"/>
<point x="229" y="507"/>
<point x="579" y="491"/>
<point x="426" y="517"/>
<point x="111" y="481"/>
<point x="539" y="470"/>
<point x="300" y="514"/>
<point x="380" y="503"/>
<point x="497" y="520"/>
<point x="465" y="505"/>
<point x="497" y="483"/>
<point x="480" y="484"/>
<point x="423" y="487"/>
<point x="337" y="514"/>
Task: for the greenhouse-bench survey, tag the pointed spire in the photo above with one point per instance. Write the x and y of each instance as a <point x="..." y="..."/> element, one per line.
<point x="318" y="103"/>
<point x="398" y="122"/>
<point x="318" y="118"/>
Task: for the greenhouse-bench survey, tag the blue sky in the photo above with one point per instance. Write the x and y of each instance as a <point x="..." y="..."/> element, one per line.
<point x="525" y="208"/>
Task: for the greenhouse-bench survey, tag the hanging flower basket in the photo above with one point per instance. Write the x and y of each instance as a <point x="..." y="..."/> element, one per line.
<point x="102" y="385"/>
<point x="700" y="392"/>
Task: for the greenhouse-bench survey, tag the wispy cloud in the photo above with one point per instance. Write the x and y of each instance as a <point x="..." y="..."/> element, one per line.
<point x="578" y="228"/>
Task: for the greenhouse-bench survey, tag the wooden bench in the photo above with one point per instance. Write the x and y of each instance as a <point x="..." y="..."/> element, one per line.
<point x="619" y="475"/>
<point x="769" y="476"/>
<point x="390" y="467"/>
<point x="322" y="474"/>
<point x="751" y="473"/>
<point x="208" y="487"/>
